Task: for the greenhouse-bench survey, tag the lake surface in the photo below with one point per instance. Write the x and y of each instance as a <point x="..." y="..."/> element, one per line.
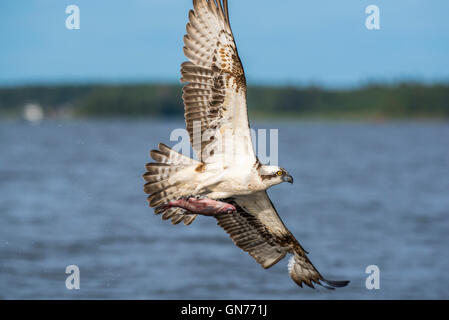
<point x="364" y="194"/>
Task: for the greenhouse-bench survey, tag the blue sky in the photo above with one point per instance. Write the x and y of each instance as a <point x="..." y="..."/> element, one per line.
<point x="323" y="42"/>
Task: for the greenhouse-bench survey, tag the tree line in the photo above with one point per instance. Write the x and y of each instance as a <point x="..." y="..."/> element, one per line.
<point x="165" y="100"/>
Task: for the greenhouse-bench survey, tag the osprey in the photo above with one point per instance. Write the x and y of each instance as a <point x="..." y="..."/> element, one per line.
<point x="227" y="182"/>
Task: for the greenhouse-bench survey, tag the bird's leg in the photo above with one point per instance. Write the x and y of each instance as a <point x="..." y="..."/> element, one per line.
<point x="201" y="205"/>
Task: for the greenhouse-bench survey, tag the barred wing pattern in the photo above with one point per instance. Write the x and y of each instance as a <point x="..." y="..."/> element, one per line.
<point x="257" y="229"/>
<point x="215" y="93"/>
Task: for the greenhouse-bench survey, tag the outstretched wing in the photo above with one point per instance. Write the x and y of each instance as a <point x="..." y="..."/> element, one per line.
<point x="257" y="228"/>
<point x="215" y="94"/>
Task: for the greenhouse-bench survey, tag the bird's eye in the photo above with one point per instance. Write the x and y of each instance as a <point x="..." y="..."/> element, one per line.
<point x="279" y="173"/>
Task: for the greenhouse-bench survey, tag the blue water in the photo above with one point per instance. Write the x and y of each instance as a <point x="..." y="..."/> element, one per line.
<point x="364" y="194"/>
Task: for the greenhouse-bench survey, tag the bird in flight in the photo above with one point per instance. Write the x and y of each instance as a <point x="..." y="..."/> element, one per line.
<point x="227" y="181"/>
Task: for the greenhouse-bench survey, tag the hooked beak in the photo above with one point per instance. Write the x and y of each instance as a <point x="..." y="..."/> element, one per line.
<point x="288" y="178"/>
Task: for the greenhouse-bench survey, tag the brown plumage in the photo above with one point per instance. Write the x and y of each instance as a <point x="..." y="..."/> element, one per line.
<point x="268" y="243"/>
<point x="214" y="74"/>
<point x="158" y="187"/>
<point x="215" y="100"/>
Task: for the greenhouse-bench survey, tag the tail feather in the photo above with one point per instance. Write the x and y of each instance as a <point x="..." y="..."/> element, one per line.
<point x="160" y="189"/>
<point x="152" y="187"/>
<point x="169" y="213"/>
<point x="164" y="171"/>
<point x="169" y="156"/>
<point x="150" y="177"/>
<point x="163" y="196"/>
<point x="177" y="218"/>
<point x="189" y="218"/>
<point x="177" y="215"/>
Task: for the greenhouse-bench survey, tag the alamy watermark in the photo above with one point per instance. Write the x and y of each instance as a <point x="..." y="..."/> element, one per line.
<point x="72" y="22"/>
<point x="372" y="22"/>
<point x="373" y="280"/>
<point x="227" y="145"/>
<point x="73" y="280"/>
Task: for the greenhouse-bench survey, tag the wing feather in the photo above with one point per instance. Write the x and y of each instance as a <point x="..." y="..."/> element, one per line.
<point x="215" y="93"/>
<point x="257" y="229"/>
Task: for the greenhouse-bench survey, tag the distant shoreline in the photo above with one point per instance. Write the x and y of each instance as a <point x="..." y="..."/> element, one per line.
<point x="374" y="102"/>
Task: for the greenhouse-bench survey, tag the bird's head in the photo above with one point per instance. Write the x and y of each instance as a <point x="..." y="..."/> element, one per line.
<point x="272" y="175"/>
